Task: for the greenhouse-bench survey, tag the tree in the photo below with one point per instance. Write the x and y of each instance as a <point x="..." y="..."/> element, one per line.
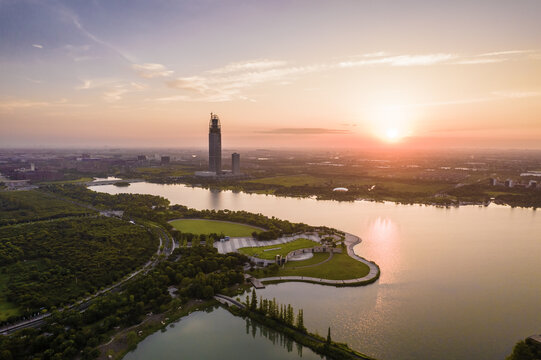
<point x="329" y="336"/>
<point x="253" y="304"/>
<point x="300" y="321"/>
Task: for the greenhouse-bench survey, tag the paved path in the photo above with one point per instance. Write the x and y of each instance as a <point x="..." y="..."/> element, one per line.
<point x="317" y="264"/>
<point x="239" y="242"/>
<point x="229" y="301"/>
<point x="350" y="241"/>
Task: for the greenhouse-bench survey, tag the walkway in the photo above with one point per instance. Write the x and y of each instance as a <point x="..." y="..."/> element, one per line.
<point x="350" y="241"/>
<point x="239" y="242"/>
<point x="226" y="300"/>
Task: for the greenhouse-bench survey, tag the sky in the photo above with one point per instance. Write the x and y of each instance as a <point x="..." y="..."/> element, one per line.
<point x="304" y="73"/>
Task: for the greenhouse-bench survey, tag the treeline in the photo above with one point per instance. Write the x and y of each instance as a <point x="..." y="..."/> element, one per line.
<point x="526" y="350"/>
<point x="24" y="206"/>
<point x="157" y="209"/>
<point x="134" y="205"/>
<point x="281" y="318"/>
<point x="55" y="262"/>
<point x="197" y="272"/>
<point x="520" y="197"/>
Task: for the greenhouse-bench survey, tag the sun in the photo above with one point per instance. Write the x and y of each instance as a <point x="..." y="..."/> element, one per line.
<point x="392" y="135"/>
<point x="390" y="123"/>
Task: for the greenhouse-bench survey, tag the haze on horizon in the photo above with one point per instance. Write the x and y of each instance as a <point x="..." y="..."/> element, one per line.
<point x="278" y="73"/>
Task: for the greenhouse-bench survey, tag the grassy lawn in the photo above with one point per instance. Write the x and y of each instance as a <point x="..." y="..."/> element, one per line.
<point x="196" y="226"/>
<point x="7" y="309"/>
<point x="340" y="267"/>
<point x="280" y="249"/>
<point x="317" y="258"/>
<point x="291" y="180"/>
<point x="171" y="170"/>
<point x="75" y="181"/>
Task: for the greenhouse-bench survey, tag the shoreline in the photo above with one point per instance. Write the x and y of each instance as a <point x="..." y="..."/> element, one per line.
<point x="350" y="241"/>
<point x="318" y="198"/>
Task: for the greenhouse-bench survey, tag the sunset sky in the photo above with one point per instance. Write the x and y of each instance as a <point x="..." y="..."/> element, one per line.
<point x="278" y="73"/>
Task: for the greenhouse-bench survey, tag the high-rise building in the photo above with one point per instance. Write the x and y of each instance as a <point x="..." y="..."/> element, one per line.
<point x="235" y="163"/>
<point x="215" y="144"/>
<point x="165" y="159"/>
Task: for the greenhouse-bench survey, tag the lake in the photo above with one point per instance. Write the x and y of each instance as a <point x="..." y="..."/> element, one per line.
<point x="217" y="334"/>
<point x="457" y="283"/>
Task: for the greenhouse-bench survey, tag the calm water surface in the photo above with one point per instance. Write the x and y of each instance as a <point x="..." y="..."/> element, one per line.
<point x="221" y="336"/>
<point x="460" y="283"/>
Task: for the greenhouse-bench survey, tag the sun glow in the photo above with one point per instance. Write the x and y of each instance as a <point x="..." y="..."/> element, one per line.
<point x="391" y="123"/>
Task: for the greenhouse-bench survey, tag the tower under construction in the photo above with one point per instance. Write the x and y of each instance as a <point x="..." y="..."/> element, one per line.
<point x="215" y="144"/>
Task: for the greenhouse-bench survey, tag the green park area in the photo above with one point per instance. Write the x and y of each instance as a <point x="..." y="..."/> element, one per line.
<point x="269" y="252"/>
<point x="290" y="180"/>
<point x="339" y="267"/>
<point x="203" y="226"/>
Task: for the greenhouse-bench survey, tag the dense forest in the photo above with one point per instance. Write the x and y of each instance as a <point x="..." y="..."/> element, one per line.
<point x="54" y="262"/>
<point x="197" y="272"/>
<point x="23" y="206"/>
<point x="134" y="205"/>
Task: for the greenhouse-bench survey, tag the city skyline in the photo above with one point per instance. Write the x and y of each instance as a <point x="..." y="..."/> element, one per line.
<point x="342" y="74"/>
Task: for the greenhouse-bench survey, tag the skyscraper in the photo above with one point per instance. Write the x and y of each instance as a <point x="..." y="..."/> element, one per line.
<point x="215" y="144"/>
<point x="235" y="163"/>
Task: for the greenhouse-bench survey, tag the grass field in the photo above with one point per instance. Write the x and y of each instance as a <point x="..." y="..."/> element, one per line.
<point x="340" y="267"/>
<point x="280" y="249"/>
<point x="317" y="258"/>
<point x="291" y="180"/>
<point x="196" y="226"/>
<point x="75" y="181"/>
<point x="7" y="309"/>
<point x="171" y="170"/>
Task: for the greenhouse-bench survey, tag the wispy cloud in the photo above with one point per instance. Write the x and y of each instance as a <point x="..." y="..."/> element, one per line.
<point x="227" y="83"/>
<point x="493" y="96"/>
<point x="71" y="17"/>
<point x="231" y="81"/>
<point x="304" y="131"/>
<point x="37" y="46"/>
<point x="13" y="104"/>
<point x="508" y="52"/>
<point x="399" y="60"/>
<point x="117" y="92"/>
<point x="149" y="70"/>
<point x="516" y="94"/>
<point x="253" y="65"/>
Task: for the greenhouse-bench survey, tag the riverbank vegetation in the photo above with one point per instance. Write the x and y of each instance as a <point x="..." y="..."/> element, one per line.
<point x="269" y="252"/>
<point x="526" y="350"/>
<point x="200" y="226"/>
<point x="283" y="319"/>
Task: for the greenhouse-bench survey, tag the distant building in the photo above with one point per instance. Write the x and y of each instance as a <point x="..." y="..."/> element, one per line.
<point x="165" y="160"/>
<point x="235" y="163"/>
<point x="215" y="144"/>
<point x="509" y="183"/>
<point x="532" y="184"/>
<point x="141" y="158"/>
<point x="493" y="181"/>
